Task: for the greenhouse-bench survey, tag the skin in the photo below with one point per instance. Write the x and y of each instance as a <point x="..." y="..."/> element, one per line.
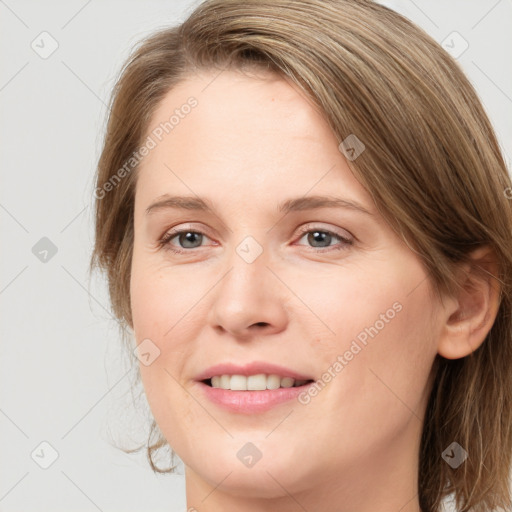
<point x="251" y="143"/>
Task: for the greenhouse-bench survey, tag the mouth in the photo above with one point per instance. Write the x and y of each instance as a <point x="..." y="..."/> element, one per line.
<point x="252" y="388"/>
<point x="237" y="397"/>
<point x="258" y="382"/>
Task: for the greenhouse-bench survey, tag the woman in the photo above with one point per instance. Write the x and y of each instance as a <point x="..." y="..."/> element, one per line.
<point x="305" y="219"/>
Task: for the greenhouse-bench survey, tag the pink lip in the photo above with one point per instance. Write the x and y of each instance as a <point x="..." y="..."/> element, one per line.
<point x="251" y="402"/>
<point x="251" y="369"/>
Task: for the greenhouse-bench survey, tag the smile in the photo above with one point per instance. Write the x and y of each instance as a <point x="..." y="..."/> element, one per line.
<point x="258" y="382"/>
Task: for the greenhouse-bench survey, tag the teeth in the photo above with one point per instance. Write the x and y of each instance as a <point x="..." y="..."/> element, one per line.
<point x="257" y="382"/>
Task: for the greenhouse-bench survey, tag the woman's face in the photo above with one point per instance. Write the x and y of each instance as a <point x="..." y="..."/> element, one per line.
<point x="272" y="274"/>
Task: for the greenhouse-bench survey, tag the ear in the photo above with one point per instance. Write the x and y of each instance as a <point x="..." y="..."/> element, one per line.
<point x="469" y="316"/>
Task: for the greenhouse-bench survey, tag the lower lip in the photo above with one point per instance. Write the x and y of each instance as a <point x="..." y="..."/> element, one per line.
<point x="250" y="402"/>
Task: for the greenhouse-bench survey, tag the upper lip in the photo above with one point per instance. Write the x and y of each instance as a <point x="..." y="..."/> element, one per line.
<point x="253" y="368"/>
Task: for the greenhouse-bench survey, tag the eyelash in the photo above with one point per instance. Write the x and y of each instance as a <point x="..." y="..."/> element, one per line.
<point x="164" y="242"/>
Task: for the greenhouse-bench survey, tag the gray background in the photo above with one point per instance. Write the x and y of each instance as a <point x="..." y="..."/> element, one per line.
<point x="63" y="377"/>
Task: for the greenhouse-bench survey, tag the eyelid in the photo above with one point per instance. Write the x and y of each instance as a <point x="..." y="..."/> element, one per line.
<point x="312" y="226"/>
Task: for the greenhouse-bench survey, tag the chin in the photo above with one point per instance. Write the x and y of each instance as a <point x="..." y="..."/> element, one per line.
<point x="265" y="479"/>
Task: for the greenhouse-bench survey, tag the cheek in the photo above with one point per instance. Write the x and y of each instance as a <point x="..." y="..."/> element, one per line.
<point x="384" y="333"/>
<point x="365" y="302"/>
<point x="157" y="307"/>
<point x="390" y="374"/>
<point x="160" y="299"/>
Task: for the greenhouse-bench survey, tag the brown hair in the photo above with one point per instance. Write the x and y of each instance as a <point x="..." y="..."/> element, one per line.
<point x="432" y="165"/>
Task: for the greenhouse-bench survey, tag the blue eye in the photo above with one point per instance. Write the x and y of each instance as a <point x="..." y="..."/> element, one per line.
<point x="317" y="236"/>
<point x="187" y="237"/>
<point x="319" y="239"/>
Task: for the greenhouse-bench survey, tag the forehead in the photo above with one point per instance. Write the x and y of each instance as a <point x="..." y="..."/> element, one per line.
<point x="252" y="133"/>
<point x="229" y="99"/>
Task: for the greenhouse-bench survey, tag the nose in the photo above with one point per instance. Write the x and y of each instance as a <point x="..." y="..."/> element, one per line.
<point x="249" y="300"/>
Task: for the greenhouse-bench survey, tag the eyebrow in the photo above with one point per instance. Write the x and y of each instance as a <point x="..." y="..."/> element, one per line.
<point x="296" y="204"/>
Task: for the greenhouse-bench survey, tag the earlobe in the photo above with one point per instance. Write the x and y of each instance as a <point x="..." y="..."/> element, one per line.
<point x="469" y="316"/>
